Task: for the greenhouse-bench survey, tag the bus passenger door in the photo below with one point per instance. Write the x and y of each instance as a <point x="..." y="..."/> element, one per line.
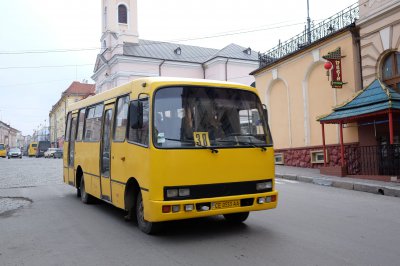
<point x="71" y="151"/>
<point x="105" y="154"/>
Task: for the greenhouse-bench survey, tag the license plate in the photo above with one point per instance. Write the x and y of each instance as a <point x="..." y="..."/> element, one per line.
<point x="225" y="204"/>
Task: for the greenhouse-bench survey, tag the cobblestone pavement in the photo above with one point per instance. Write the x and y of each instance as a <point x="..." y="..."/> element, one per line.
<point x="25" y="173"/>
<point x="29" y="172"/>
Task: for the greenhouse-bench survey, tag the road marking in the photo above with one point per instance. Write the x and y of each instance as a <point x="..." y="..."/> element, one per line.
<point x="285" y="181"/>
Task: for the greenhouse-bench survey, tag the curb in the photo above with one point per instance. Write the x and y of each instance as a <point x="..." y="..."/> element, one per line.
<point x="392" y="191"/>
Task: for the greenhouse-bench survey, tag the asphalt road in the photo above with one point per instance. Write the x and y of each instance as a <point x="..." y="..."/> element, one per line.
<point x="313" y="225"/>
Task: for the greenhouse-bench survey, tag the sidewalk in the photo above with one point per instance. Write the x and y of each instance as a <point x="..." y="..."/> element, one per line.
<point x="313" y="176"/>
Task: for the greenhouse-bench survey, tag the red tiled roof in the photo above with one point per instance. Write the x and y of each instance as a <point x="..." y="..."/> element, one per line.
<point x="80" y="88"/>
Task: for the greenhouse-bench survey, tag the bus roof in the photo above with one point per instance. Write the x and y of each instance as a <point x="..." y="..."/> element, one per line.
<point x="149" y="84"/>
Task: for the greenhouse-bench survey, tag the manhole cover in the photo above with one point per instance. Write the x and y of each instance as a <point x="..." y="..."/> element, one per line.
<point x="8" y="204"/>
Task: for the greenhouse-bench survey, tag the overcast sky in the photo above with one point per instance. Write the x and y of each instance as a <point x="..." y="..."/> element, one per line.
<point x="31" y="82"/>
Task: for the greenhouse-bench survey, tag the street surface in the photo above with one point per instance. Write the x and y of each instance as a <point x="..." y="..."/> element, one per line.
<point x="42" y="222"/>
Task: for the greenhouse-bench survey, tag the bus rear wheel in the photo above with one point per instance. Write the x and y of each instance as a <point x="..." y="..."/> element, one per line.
<point x="85" y="197"/>
<point x="147" y="227"/>
<point x="236" y="217"/>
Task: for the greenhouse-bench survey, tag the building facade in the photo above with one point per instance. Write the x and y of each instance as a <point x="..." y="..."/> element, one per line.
<point x="75" y="92"/>
<point x="379" y="26"/>
<point x="9" y="135"/>
<point x="125" y="57"/>
<point x="328" y="124"/>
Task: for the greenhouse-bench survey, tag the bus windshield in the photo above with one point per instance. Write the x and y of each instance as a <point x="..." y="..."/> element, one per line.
<point x="190" y="117"/>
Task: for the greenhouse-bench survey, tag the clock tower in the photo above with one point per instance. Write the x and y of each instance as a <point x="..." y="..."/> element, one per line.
<point x="119" y="24"/>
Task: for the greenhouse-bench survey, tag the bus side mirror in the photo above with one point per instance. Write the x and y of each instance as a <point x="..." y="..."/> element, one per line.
<point x="136" y="115"/>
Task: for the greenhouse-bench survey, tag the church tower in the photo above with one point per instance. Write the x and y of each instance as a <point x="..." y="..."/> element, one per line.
<point x="119" y="24"/>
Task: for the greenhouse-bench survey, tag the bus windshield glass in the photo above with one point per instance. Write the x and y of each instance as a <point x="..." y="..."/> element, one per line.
<point x="196" y="117"/>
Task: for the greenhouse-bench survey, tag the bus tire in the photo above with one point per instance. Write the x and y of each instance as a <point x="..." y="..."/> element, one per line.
<point x="85" y="197"/>
<point x="78" y="192"/>
<point x="149" y="228"/>
<point x="236" y="218"/>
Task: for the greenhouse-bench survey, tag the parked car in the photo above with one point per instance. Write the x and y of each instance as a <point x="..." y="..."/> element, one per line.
<point x="50" y="152"/>
<point x="58" y="153"/>
<point x="14" y="153"/>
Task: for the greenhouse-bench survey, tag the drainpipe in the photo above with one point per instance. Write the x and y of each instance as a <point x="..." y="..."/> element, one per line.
<point x="204" y="70"/>
<point x="226" y="69"/>
<point x="159" y="67"/>
<point x="358" y="44"/>
<point x="323" y="142"/>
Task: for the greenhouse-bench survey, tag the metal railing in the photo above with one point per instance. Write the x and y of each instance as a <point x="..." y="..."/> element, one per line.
<point x="344" y="18"/>
<point x="374" y="160"/>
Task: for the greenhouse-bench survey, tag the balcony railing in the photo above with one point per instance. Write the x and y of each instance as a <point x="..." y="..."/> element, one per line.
<point x="341" y="20"/>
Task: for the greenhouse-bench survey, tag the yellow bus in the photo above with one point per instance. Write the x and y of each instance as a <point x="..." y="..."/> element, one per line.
<point x="167" y="149"/>
<point x="32" y="149"/>
<point x="3" y="150"/>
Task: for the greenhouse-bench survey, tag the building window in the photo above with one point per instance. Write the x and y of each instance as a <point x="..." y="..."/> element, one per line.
<point x="105" y="17"/>
<point x="122" y="14"/>
<point x="391" y="71"/>
<point x="279" y="158"/>
<point x="318" y="156"/>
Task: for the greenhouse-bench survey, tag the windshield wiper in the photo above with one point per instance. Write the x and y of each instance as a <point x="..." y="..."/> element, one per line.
<point x="213" y="150"/>
<point x="249" y="143"/>
<point x="252" y="145"/>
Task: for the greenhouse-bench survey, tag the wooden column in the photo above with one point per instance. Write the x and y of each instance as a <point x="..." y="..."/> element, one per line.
<point x="391" y="126"/>
<point x="341" y="143"/>
<point x="323" y="142"/>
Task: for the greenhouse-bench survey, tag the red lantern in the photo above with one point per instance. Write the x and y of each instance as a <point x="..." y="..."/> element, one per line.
<point x="328" y="65"/>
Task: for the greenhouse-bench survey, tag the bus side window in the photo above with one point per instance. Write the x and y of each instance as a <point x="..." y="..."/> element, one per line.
<point x="66" y="135"/>
<point x="93" y="123"/>
<point x="81" y="121"/>
<point x="121" y="119"/>
<point x="141" y="135"/>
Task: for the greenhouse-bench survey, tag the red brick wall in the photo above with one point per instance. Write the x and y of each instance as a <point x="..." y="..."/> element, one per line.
<point x="301" y="157"/>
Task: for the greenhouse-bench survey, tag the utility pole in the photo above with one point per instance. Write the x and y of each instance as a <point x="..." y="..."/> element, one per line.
<point x="308" y="23"/>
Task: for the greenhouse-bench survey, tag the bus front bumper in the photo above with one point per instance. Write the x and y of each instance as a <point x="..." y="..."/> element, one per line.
<point x="158" y="211"/>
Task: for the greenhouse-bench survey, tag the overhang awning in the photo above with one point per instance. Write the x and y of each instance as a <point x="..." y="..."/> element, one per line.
<point x="375" y="99"/>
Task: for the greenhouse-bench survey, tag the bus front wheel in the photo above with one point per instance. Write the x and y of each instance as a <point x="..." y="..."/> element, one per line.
<point x="145" y="226"/>
<point x="236" y="217"/>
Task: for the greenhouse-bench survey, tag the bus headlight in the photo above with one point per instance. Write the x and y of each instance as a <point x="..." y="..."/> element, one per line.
<point x="181" y="192"/>
<point x="172" y="193"/>
<point x="184" y="192"/>
<point x="264" y="185"/>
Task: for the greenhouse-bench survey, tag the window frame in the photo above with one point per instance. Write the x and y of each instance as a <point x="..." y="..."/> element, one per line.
<point x="119" y="15"/>
<point x="84" y="139"/>
<point x="149" y="124"/>
<point x="68" y="127"/>
<point x="83" y="126"/>
<point x="115" y="119"/>
<point x="152" y="107"/>
<point x="394" y="80"/>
